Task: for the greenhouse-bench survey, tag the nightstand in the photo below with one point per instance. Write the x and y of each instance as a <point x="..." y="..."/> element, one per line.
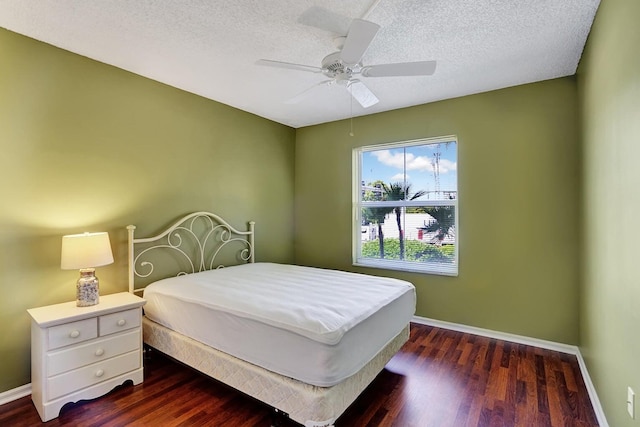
<point x="84" y="352"/>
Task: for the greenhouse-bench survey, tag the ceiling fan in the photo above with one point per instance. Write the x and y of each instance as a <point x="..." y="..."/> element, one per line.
<point x="343" y="67"/>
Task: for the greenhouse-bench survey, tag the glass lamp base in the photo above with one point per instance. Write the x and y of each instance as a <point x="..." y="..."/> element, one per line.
<point x="87" y="289"/>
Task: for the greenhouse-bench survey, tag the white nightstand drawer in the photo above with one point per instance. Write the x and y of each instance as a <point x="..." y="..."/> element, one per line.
<point x="120" y="321"/>
<point x="67" y="359"/>
<point x="92" y="374"/>
<point x="72" y="333"/>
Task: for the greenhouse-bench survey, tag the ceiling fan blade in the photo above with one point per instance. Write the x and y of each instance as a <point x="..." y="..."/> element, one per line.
<point x="304" y="94"/>
<point x="361" y="34"/>
<point x="288" y="65"/>
<point x="422" y="68"/>
<point x="362" y="94"/>
<point x="325" y="19"/>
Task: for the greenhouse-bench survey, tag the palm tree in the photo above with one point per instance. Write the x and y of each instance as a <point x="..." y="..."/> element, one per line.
<point x="377" y="215"/>
<point x="400" y="191"/>
<point x="444" y="222"/>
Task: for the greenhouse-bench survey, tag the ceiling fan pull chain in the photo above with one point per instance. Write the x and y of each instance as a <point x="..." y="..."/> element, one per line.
<point x="351" y="120"/>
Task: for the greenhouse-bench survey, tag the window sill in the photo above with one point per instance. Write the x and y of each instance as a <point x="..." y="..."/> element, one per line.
<point x="439" y="270"/>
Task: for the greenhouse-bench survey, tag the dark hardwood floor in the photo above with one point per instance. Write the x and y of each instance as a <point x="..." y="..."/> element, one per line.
<point x="440" y="378"/>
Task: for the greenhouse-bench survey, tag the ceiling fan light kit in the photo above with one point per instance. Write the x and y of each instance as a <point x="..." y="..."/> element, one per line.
<point x="343" y="66"/>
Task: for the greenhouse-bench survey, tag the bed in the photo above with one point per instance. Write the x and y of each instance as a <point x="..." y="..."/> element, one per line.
<point x="306" y="341"/>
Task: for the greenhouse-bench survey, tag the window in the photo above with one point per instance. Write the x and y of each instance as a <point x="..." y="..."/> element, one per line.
<point x="406" y="206"/>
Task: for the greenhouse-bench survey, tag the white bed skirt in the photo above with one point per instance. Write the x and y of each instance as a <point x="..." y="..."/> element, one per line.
<point x="310" y="405"/>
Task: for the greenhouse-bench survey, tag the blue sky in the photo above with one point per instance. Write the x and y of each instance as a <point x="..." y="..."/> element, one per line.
<point x="418" y="162"/>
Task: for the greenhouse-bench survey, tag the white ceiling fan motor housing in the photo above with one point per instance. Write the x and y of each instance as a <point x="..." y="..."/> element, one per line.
<point x="333" y="67"/>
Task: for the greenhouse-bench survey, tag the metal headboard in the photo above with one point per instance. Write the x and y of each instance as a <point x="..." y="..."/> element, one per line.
<point x="207" y="232"/>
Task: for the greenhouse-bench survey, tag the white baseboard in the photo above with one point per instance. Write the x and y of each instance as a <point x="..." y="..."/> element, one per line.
<point x="602" y="420"/>
<point x="15" y="394"/>
<point x="519" y="339"/>
<point x="504" y="336"/>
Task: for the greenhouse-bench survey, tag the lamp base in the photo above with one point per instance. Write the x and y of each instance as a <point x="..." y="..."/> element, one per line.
<point x="87" y="288"/>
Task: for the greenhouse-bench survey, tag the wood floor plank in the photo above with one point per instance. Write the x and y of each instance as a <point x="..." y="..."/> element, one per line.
<point x="440" y="378"/>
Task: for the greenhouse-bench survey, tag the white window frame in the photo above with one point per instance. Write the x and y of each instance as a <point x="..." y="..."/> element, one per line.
<point x="358" y="204"/>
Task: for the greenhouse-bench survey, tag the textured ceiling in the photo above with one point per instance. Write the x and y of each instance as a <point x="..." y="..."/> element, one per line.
<point x="210" y="47"/>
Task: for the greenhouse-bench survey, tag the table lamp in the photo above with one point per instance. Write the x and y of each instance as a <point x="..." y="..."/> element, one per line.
<point x="85" y="252"/>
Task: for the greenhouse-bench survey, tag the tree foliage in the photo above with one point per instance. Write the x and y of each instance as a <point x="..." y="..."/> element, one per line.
<point x="397" y="191"/>
<point x="444" y="221"/>
<point x="376" y="215"/>
<point x="400" y="191"/>
<point x="416" y="251"/>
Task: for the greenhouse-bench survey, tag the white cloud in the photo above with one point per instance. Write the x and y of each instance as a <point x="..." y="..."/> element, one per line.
<point x="447" y="166"/>
<point x="413" y="162"/>
<point x="386" y="158"/>
<point x="400" y="177"/>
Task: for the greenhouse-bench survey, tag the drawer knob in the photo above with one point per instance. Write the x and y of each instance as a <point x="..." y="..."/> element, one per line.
<point x="121" y="322"/>
<point x="99" y="352"/>
<point x="74" y="334"/>
<point x="99" y="373"/>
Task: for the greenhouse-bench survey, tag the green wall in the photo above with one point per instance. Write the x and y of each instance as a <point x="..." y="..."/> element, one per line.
<point x="518" y="182"/>
<point x="88" y="147"/>
<point x="609" y="85"/>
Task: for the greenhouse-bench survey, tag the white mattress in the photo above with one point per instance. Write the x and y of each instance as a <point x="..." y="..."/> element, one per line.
<point x="314" y="325"/>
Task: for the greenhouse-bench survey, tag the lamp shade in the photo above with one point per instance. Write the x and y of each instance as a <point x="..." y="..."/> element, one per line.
<point x="87" y="250"/>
